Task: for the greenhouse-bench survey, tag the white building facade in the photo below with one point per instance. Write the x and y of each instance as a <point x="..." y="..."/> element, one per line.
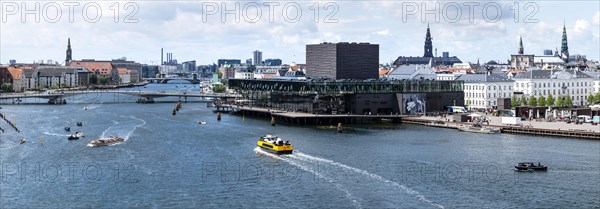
<point x="571" y="83"/>
<point x="483" y="90"/>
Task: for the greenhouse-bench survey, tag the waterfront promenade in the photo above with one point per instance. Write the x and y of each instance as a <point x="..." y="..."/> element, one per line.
<point x="541" y="128"/>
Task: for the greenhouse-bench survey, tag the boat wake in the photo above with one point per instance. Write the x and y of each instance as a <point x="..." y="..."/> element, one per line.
<point x="418" y="195"/>
<point x="163" y="118"/>
<point x="106" y="130"/>
<point x="135" y="127"/>
<point x="355" y="200"/>
<point x="54" y="134"/>
<point x="344" y="176"/>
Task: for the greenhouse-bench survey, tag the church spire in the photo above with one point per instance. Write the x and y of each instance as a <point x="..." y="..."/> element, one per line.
<point x="428" y="44"/>
<point x="564" y="49"/>
<point x="521" y="49"/>
<point x="69" y="56"/>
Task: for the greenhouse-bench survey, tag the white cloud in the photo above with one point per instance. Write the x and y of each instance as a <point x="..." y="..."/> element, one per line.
<point x="596" y="18"/>
<point x="385" y="32"/>
<point x="581" y="26"/>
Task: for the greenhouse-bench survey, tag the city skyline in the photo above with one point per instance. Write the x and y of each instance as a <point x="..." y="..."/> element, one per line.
<point x="196" y="30"/>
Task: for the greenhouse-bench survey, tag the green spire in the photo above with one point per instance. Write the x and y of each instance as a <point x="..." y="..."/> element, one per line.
<point x="564" y="49"/>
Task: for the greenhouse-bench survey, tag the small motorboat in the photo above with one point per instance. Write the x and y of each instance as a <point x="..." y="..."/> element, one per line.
<point x="22" y="141"/>
<point x="275" y="145"/>
<point x="79" y="134"/>
<point x="105" y="142"/>
<point x="476" y="128"/>
<point x="530" y="166"/>
<point x="85" y="108"/>
<point x="73" y="137"/>
<point x="67" y="128"/>
<point x="201" y="122"/>
<point x="79" y="123"/>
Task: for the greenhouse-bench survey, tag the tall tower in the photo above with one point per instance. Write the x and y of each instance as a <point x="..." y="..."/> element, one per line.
<point x="564" y="49"/>
<point x="428" y="44"/>
<point x="521" y="49"/>
<point x="257" y="57"/>
<point x="69" y="56"/>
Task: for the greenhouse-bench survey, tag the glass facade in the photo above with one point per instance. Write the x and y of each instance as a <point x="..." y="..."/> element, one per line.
<point x="346" y="87"/>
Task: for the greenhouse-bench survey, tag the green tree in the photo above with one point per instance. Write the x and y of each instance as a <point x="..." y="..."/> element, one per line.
<point x="591" y="99"/>
<point x="103" y="80"/>
<point x="597" y="98"/>
<point x="532" y="101"/>
<point x="219" y="74"/>
<point x="560" y="101"/>
<point x="6" y="87"/>
<point x="94" y="79"/>
<point x="568" y="102"/>
<point x="550" y="100"/>
<point x="541" y="101"/>
<point x="524" y="101"/>
<point x="219" y="89"/>
<point x="513" y="101"/>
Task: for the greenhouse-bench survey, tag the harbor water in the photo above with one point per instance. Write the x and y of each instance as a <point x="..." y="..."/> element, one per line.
<point x="171" y="161"/>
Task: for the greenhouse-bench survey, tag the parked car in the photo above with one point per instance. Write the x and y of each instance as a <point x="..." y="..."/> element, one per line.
<point x="584" y="118"/>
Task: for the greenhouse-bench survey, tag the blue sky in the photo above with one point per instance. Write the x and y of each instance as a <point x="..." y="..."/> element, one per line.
<point x="195" y="30"/>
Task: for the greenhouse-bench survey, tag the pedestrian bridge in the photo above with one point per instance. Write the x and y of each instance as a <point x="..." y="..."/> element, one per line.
<point x="144" y="96"/>
<point x="165" y="80"/>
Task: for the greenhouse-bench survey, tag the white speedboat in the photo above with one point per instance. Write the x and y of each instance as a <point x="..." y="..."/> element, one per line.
<point x="105" y="142"/>
<point x="201" y="122"/>
<point x="476" y="128"/>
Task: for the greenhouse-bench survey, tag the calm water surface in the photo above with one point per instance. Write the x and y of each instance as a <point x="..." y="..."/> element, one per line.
<point x="172" y="162"/>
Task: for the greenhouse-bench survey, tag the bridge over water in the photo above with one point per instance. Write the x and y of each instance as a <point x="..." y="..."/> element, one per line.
<point x="143" y="96"/>
<point x="165" y="80"/>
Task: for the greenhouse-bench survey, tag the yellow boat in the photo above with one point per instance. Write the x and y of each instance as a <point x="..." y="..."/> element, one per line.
<point x="275" y="145"/>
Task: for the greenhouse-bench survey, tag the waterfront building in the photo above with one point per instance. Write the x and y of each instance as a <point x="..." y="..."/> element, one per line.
<point x="134" y="67"/>
<point x="189" y="66"/>
<point x="324" y="96"/>
<point x="166" y="70"/>
<point x="521" y="60"/>
<point x="222" y="62"/>
<point x="61" y="76"/>
<point x="445" y="59"/>
<point x="483" y="90"/>
<point x="103" y="69"/>
<point x="573" y="83"/>
<point x="595" y="80"/>
<point x="243" y="75"/>
<point x="342" y="60"/>
<point x="227" y="71"/>
<point x="150" y="71"/>
<point x="548" y="62"/>
<point x="124" y="75"/>
<point x="410" y="72"/>
<point x="273" y="62"/>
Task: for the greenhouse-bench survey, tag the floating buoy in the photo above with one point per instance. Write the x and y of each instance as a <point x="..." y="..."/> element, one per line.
<point x="272" y="120"/>
<point x="339" y="128"/>
<point x="219" y="116"/>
